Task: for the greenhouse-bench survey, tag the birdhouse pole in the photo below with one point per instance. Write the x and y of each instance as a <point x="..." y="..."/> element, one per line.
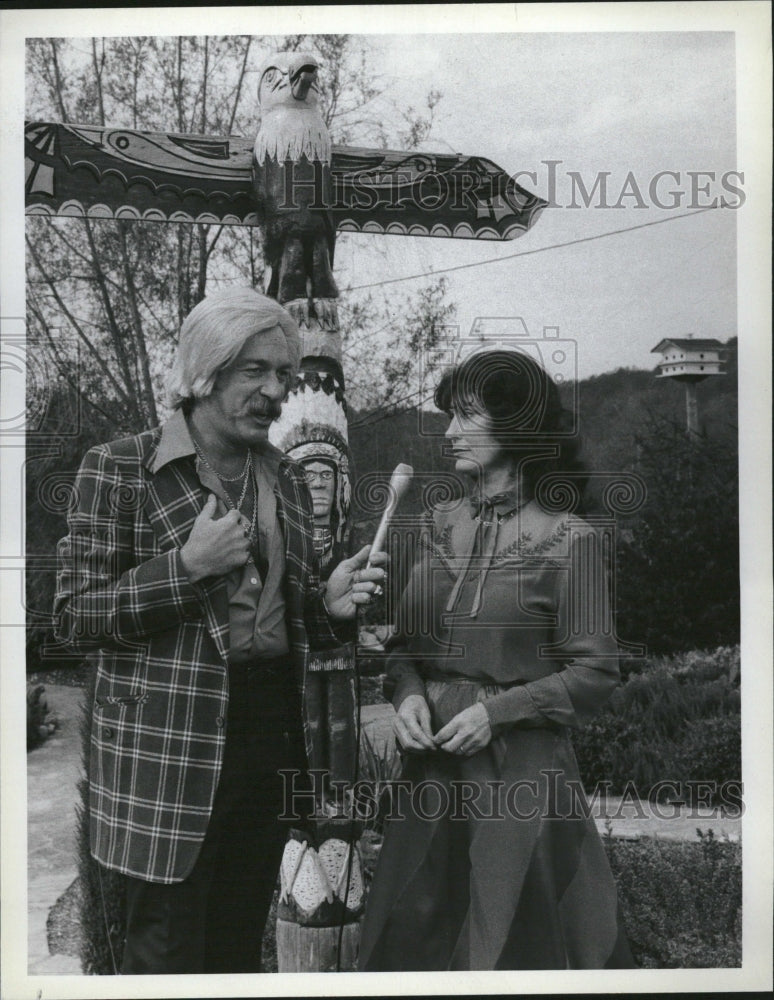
<point x="691" y="410"/>
<point x="690" y="360"/>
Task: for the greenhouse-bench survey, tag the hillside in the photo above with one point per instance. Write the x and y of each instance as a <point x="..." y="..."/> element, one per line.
<point x="677" y="558"/>
<point x="618" y="412"/>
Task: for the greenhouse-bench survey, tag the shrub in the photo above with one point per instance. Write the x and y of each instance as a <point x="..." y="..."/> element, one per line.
<point x="712" y="749"/>
<point x="681" y="902"/>
<point x="675" y="719"/>
<point x="41" y="721"/>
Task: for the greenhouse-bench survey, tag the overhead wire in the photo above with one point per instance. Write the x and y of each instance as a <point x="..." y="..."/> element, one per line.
<point x="381" y="412"/>
<point x="535" y="250"/>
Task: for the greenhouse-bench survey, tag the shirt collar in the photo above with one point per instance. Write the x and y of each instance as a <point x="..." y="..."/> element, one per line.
<point x="176" y="442"/>
<point x="503" y="503"/>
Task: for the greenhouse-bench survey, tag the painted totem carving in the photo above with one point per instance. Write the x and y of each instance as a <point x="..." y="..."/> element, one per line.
<point x="300" y="189"/>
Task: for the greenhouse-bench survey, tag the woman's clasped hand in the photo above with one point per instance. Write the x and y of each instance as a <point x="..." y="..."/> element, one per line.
<point x="467" y="733"/>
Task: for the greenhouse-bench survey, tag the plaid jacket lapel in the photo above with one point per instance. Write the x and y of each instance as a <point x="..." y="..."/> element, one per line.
<point x="175" y="499"/>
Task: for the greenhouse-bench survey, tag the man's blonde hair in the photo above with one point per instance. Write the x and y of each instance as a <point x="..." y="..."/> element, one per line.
<point x="214" y="333"/>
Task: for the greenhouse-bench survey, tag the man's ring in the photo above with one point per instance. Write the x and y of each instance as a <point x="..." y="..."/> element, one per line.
<point x="378" y="590"/>
<point x="356" y="576"/>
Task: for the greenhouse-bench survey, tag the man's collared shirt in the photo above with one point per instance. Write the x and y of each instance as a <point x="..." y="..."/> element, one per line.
<point x="257" y="625"/>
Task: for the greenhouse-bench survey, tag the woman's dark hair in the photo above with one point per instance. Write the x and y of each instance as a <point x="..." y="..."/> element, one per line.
<point x="525" y="411"/>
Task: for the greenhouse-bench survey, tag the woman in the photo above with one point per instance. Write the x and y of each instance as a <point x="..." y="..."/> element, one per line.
<point x="504" y="643"/>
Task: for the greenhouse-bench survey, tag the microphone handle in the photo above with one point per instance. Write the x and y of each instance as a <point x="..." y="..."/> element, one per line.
<point x="399" y="482"/>
<point x="381" y="531"/>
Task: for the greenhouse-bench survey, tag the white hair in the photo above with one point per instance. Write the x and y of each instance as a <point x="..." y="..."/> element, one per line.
<point x="214" y="333"/>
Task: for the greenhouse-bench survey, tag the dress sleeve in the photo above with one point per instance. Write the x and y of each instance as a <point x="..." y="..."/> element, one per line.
<point x="584" y="648"/>
<point x="404" y="674"/>
<point x="104" y="597"/>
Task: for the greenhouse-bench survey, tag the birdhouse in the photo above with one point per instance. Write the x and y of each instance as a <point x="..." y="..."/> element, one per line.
<point x="689" y="359"/>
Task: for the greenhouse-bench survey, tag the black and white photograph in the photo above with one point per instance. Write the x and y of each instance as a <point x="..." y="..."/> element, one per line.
<point x="385" y="510"/>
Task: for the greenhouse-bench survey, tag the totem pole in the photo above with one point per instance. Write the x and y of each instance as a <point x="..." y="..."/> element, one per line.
<point x="300" y="190"/>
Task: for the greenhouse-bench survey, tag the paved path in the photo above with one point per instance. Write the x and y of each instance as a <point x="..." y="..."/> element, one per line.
<point x="53" y="770"/>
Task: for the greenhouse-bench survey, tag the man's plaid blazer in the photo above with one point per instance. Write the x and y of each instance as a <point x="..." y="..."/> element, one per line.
<point x="161" y="645"/>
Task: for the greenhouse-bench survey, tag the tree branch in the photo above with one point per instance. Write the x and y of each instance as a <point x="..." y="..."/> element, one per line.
<point x="58" y="94"/>
<point x="139" y="334"/>
<point x="116" y="334"/>
<point x="103" y="367"/>
<point x="240" y="81"/>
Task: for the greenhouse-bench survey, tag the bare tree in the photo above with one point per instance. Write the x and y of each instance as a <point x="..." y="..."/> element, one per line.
<point x="123" y="289"/>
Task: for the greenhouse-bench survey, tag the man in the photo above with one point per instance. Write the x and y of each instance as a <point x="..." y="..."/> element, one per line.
<point x="189" y="570"/>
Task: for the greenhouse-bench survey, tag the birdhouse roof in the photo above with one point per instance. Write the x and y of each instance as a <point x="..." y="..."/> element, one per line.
<point x="689" y="344"/>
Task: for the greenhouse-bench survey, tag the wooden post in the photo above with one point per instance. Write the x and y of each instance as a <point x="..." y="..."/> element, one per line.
<point x="316" y="949"/>
<point x="691" y="410"/>
<point x="321" y="890"/>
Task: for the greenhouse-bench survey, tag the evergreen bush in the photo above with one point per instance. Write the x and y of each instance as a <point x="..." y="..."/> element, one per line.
<point x="676" y="719"/>
<point x="681" y="902"/>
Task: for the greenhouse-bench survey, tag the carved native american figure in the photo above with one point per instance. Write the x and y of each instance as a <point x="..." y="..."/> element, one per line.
<point x="292" y="182"/>
<point x="284" y="182"/>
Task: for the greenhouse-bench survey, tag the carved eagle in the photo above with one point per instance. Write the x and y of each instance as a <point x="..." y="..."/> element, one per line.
<point x="106" y="172"/>
<point x="292" y="183"/>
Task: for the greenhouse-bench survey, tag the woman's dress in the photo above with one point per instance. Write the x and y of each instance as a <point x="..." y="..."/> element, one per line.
<point x="492" y="861"/>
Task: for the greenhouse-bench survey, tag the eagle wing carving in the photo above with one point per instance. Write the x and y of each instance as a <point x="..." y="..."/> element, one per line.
<point x="105" y="172"/>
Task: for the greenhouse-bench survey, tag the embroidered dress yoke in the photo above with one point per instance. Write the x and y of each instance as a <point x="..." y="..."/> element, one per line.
<point x="508" y="606"/>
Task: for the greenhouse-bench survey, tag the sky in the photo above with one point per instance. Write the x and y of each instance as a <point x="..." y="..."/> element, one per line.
<point x="630" y="104"/>
<point x="550" y="106"/>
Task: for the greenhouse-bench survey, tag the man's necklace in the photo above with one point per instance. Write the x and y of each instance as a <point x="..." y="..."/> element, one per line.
<point x="221" y="477"/>
<point x="247" y="475"/>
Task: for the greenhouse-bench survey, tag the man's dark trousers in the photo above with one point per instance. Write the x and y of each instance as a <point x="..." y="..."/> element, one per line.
<point x="213" y="920"/>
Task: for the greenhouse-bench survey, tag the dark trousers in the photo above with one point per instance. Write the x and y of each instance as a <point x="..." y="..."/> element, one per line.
<point x="213" y="920"/>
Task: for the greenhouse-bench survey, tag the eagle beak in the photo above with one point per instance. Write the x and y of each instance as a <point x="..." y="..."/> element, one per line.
<point x="301" y="81"/>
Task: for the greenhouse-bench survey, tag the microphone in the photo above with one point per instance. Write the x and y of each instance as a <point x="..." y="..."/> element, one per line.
<point x="399" y="483"/>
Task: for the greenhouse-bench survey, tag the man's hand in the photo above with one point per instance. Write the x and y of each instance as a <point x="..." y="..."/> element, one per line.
<point x="350" y="584"/>
<point x="467" y="733"/>
<point x="412" y="724"/>
<point x="215" y="547"/>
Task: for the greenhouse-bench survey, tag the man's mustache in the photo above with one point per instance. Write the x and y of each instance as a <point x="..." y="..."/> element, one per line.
<point x="272" y="410"/>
